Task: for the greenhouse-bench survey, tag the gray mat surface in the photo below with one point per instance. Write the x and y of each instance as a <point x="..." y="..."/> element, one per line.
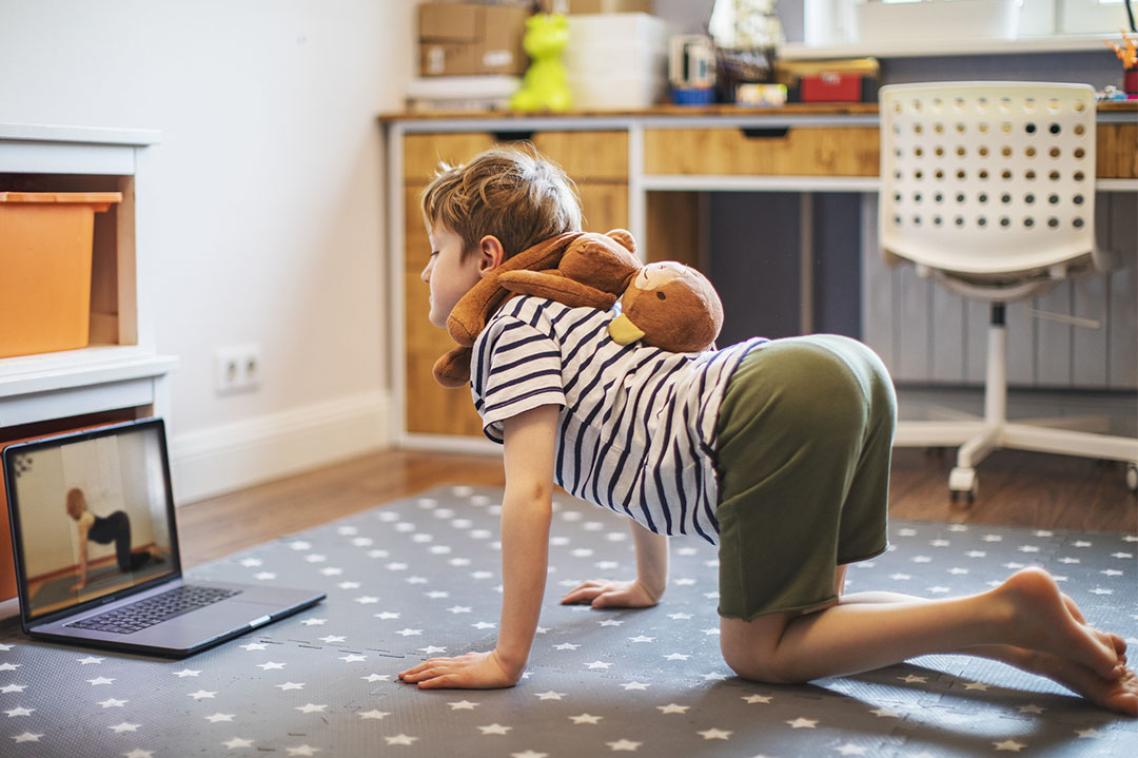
<point x="421" y="576"/>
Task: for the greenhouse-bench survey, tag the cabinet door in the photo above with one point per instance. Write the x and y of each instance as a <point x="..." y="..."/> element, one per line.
<point x="598" y="164"/>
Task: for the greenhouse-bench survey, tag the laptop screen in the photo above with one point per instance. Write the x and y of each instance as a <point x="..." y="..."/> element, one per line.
<point x="92" y="516"/>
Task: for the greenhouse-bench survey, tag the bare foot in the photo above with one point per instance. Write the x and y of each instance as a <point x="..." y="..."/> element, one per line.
<point x="1040" y="621"/>
<point x="1117" y="694"/>
<point x="1107" y="638"/>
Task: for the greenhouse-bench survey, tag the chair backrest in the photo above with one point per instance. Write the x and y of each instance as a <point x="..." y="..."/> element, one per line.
<point x="987" y="178"/>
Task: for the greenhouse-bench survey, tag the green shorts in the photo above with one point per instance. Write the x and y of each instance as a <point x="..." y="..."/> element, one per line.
<point x="804" y="447"/>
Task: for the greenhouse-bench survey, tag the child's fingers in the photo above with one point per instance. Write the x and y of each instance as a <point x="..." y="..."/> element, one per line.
<point x="585" y="594"/>
<point x="446" y="680"/>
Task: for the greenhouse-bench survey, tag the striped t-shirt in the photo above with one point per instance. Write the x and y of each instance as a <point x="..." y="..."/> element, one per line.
<point x="636" y="431"/>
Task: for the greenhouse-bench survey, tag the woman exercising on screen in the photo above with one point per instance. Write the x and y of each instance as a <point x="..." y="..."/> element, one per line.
<point x="104" y="530"/>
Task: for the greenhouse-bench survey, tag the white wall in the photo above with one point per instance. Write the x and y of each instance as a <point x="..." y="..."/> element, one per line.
<point x="267" y="217"/>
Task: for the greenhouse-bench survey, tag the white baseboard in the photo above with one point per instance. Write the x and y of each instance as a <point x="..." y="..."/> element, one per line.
<point x="224" y="458"/>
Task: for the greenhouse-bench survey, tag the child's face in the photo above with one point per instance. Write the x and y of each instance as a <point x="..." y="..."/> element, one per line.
<point x="448" y="275"/>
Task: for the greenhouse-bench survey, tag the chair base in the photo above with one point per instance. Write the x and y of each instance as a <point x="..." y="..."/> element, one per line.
<point x="979" y="437"/>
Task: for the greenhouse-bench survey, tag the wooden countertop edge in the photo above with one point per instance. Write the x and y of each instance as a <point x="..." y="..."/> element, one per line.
<point x="806" y="109"/>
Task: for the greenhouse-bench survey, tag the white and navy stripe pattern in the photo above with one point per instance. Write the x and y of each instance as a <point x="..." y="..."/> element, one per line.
<point x="636" y="431"/>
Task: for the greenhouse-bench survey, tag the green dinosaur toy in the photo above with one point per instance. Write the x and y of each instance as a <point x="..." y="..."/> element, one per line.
<point x="545" y="86"/>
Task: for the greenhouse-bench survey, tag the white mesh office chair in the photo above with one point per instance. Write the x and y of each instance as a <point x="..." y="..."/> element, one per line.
<point x="989" y="188"/>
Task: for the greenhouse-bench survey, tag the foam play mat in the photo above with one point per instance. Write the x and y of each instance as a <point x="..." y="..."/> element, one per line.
<point x="420" y="577"/>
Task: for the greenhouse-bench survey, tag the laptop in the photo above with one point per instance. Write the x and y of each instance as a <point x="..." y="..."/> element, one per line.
<point x="96" y="549"/>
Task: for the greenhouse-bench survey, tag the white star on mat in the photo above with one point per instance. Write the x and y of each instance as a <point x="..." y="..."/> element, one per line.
<point x="437" y="594"/>
<point x="1101" y="591"/>
<point x="711" y="631"/>
<point x="914" y="679"/>
<point x="1009" y="745"/>
<point x="331" y="571"/>
<point x="271" y="665"/>
<point x="976" y="553"/>
<point x="481" y="574"/>
<point x="459" y="609"/>
<point x="9" y="666"/>
<point x="367" y="599"/>
<point x="957" y="571"/>
<point x="332" y="638"/>
<point x="311" y="708"/>
<point x="290" y="686"/>
<point x="374" y="714"/>
<point x="635" y="686"/>
<point x="1111" y="572"/>
<point x="977" y="686"/>
<point x="1082" y="543"/>
<point x="714" y="676"/>
<point x="202" y="694"/>
<point x="992" y="538"/>
<point x="215" y="718"/>
<point x="679" y="616"/>
<point x="685" y="582"/>
<point x="566" y="646"/>
<point x="900" y="577"/>
<point x="302" y="750"/>
<point x="1088" y="733"/>
<point x="462" y="705"/>
<point x="113" y="703"/>
<point x="299" y="545"/>
<point x="1121" y="555"/>
<point x="376" y="677"/>
<point x="186" y="672"/>
<point x="757" y="698"/>
<point x="483" y="625"/>
<point x="803" y="723"/>
<point x="585" y="718"/>
<point x="1031" y="708"/>
<point x="251" y="562"/>
<point x="623" y="744"/>
<point x="529" y="754"/>
<point x="386" y="615"/>
<point x="673" y="708"/>
<point x="5" y="648"/>
<point x="551" y="695"/>
<point x="315" y="558"/>
<point x="1069" y="559"/>
<point x="850" y="749"/>
<point x="598" y="665"/>
<point x="885" y="713"/>
<point x="89" y="659"/>
<point x="429" y="649"/>
<point x="139" y="753"/>
<point x="676" y="657"/>
<point x="124" y="727"/>
<point x="409" y="632"/>
<point x="237" y="742"/>
<point x="400" y="739"/>
<point x="12" y="688"/>
<point x="265" y="576"/>
<point x="314" y="622"/>
<point x="254" y="646"/>
<point x="641" y="638"/>
<point x="27" y="737"/>
<point x="495" y="728"/>
<point x="1028" y="548"/>
<point x="353" y="658"/>
<point x="610" y="622"/>
<point x="715" y="734"/>
<point x="100" y="680"/>
<point x="18" y="711"/>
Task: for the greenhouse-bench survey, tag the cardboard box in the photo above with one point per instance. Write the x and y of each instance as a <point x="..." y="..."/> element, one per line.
<point x="457" y="39"/>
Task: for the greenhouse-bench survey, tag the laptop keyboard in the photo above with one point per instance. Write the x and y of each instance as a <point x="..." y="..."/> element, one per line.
<point x="145" y="613"/>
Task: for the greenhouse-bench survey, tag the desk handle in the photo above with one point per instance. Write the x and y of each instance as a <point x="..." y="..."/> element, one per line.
<point x="513" y="136"/>
<point x="764" y="132"/>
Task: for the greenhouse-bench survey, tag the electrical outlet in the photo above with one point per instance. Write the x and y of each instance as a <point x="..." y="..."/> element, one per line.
<point x="237" y="369"/>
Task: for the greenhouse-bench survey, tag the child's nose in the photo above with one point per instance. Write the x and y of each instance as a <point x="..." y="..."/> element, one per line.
<point x="426" y="274"/>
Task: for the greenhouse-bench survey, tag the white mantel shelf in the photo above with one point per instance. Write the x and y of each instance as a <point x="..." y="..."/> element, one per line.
<point x="49" y="372"/>
<point x="90" y="135"/>
<point x="1055" y="43"/>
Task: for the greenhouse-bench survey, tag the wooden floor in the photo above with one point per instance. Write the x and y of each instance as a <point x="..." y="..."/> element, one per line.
<point x="1016" y="489"/>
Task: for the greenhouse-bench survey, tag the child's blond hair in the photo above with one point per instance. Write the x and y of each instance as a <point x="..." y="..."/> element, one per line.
<point x="514" y="194"/>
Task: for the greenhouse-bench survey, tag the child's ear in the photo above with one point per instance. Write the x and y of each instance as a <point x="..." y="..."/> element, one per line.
<point x="491" y="254"/>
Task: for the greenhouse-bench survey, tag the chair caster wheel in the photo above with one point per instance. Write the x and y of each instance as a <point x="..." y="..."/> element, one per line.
<point x="963" y="483"/>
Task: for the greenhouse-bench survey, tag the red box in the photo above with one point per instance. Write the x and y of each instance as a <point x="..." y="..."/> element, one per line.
<point x="831" y="88"/>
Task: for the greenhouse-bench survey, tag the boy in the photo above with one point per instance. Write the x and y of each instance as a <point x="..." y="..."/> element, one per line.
<point x="779" y="452"/>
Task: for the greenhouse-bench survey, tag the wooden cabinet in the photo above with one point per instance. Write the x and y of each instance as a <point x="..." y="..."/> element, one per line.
<point x="1116" y="151"/>
<point x="763" y="151"/>
<point x="597" y="161"/>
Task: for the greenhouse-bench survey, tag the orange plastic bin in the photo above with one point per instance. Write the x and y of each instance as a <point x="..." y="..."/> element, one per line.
<point x="45" y="269"/>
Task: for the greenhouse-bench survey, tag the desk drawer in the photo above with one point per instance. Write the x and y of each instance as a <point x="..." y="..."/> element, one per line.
<point x="777" y="151"/>
<point x="585" y="155"/>
<point x="1116" y="152"/>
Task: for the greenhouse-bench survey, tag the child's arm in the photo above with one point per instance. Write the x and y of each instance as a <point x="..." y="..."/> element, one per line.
<point x="527" y="509"/>
<point x="650" y="583"/>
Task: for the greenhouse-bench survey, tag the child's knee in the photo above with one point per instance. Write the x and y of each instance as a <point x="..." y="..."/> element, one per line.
<point x="749" y="647"/>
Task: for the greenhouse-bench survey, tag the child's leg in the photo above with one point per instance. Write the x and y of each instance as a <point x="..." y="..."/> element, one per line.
<point x="1025" y="611"/>
<point x="1119" y="694"/>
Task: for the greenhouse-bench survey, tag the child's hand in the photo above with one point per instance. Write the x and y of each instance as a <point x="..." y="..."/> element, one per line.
<point x="605" y="594"/>
<point x="476" y="671"/>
